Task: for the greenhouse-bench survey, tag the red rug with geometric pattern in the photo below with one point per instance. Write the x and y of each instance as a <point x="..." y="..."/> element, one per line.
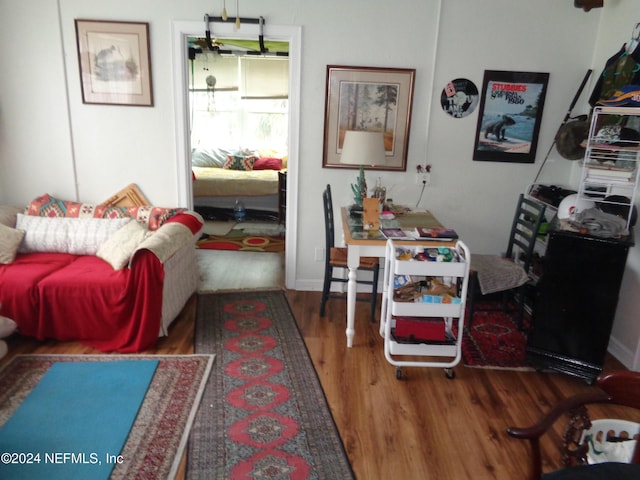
<point x="494" y="340"/>
<point x="254" y="243"/>
<point x="264" y="413"/>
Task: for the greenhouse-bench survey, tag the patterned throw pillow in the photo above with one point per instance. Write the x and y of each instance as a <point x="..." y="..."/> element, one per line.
<point x="240" y="162"/>
<point x="48" y="206"/>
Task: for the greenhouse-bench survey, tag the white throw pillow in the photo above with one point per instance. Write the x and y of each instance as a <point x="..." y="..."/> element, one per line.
<point x="117" y="250"/>
<point x="7" y="327"/>
<point x="10" y="239"/>
<point x="79" y="236"/>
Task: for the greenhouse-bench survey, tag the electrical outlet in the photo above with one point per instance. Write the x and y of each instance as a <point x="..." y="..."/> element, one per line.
<point x="423" y="178"/>
<point x="319" y="255"/>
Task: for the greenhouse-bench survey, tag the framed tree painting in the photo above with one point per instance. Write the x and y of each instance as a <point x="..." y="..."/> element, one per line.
<point x="510" y="113"/>
<point x="368" y="99"/>
<point x="115" y="63"/>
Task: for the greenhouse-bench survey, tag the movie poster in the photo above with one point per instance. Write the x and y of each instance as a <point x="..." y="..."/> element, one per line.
<point x="510" y="113"/>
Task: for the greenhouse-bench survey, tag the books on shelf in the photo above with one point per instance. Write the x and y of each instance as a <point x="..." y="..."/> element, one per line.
<point x="436" y="233"/>
<point x="608" y="173"/>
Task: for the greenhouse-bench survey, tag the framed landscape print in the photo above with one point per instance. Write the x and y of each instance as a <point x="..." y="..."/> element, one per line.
<point x="115" y="62"/>
<point x="368" y="99"/>
<point x="510" y="113"/>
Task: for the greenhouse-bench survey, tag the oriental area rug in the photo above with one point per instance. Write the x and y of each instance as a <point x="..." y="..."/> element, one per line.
<point x="263" y="414"/>
<point x="493" y="340"/>
<point x="98" y="416"/>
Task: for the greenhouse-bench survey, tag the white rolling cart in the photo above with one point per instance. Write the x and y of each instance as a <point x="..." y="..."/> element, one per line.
<point x="443" y="314"/>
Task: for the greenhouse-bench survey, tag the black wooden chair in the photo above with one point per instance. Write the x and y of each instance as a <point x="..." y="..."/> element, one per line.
<point x="508" y="274"/>
<point x="616" y="388"/>
<point x="336" y="257"/>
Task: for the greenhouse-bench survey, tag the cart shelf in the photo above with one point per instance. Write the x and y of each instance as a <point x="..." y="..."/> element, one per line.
<point x="411" y="262"/>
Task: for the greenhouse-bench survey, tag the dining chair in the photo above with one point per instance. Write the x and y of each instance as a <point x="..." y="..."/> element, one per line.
<point x="509" y="273"/>
<point x="336" y="257"/>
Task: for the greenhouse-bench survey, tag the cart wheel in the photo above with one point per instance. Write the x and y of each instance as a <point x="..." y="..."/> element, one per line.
<point x="399" y="373"/>
<point x="450" y="373"/>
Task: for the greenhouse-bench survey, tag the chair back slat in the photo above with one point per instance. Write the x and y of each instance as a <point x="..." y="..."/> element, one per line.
<point x="329" y="228"/>
<point x="524" y="229"/>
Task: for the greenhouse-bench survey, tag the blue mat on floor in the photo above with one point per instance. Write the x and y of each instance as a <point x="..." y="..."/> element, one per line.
<point x="75" y="421"/>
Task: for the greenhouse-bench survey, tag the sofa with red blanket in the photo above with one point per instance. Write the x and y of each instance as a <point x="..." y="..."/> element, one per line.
<point x="113" y="278"/>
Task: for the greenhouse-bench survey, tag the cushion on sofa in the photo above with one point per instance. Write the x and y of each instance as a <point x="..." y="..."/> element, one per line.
<point x="48" y="206"/>
<point x="10" y="239"/>
<point x="66" y="235"/>
<point x="117" y="250"/>
<point x="8" y="214"/>
<point x="7" y="327"/>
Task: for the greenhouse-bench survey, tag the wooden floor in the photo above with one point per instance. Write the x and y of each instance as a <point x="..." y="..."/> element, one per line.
<point x="422" y="427"/>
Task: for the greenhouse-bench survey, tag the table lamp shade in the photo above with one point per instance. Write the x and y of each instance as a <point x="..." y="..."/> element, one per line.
<point x="363" y="148"/>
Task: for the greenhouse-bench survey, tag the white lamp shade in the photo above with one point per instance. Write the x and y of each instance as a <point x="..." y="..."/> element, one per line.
<point x="363" y="148"/>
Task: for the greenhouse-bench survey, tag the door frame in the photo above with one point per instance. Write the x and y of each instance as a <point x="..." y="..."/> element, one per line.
<point x="292" y="34"/>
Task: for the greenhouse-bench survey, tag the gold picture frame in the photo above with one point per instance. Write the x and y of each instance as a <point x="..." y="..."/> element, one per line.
<point x="370" y="99"/>
<point x="115" y="62"/>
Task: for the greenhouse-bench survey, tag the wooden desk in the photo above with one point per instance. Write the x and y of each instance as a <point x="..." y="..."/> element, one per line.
<point x="362" y="243"/>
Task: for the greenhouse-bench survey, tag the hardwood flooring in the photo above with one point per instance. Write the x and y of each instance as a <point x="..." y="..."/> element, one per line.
<point x="422" y="427"/>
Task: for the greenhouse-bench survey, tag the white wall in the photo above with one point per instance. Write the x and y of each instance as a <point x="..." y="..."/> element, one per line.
<point x="51" y="142"/>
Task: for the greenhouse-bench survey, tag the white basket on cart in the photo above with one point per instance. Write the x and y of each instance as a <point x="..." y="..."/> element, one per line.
<point x="611" y="440"/>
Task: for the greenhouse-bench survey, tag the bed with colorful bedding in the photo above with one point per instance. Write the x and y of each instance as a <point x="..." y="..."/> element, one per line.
<point x="223" y="176"/>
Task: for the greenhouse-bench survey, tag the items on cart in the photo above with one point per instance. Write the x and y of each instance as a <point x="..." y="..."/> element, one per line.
<point x="428" y="254"/>
<point x="428" y="290"/>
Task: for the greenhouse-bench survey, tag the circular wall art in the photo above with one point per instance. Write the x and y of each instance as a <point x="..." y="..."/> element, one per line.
<point x="459" y="97"/>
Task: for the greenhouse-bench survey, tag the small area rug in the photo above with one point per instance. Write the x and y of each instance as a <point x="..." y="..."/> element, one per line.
<point x="263" y="414"/>
<point x="237" y="240"/>
<point x="154" y="442"/>
<point x="493" y="340"/>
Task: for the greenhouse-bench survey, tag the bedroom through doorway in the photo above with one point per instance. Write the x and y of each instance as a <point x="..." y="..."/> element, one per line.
<point x="240" y="116"/>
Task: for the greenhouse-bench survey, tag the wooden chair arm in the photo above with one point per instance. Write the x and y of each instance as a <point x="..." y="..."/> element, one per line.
<point x="561" y="408"/>
<point x="575" y="407"/>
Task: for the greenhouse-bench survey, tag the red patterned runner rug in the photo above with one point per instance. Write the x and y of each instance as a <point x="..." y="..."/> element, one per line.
<point x="264" y="414"/>
<point x="493" y="340"/>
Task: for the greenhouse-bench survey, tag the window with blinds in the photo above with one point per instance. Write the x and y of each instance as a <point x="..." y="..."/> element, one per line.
<point x="239" y="102"/>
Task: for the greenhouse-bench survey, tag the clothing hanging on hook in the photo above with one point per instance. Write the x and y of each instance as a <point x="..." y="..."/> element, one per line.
<point x="620" y="70"/>
<point x="635" y="39"/>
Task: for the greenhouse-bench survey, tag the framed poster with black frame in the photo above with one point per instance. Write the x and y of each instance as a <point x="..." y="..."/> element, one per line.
<point x="511" y="107"/>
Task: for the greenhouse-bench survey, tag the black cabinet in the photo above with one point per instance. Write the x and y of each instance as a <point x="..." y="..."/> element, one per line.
<point x="576" y="303"/>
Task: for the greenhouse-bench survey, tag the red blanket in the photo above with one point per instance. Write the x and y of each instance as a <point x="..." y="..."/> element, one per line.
<point x="69" y="297"/>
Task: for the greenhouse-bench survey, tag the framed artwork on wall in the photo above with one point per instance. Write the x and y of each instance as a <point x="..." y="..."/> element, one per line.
<point x="368" y="99"/>
<point x="115" y="62"/>
<point x="511" y="107"/>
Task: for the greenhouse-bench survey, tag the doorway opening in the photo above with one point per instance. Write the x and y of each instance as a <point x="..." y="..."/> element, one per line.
<point x="183" y="31"/>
